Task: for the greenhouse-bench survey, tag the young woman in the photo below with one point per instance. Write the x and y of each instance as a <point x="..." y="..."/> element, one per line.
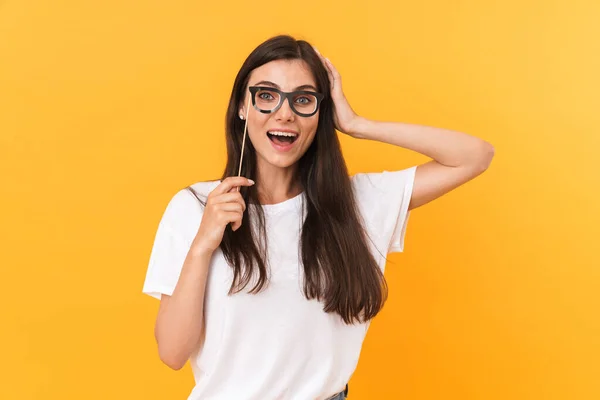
<point x="268" y="285"/>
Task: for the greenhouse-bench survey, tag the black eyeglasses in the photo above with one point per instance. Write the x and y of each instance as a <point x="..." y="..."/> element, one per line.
<point x="267" y="100"/>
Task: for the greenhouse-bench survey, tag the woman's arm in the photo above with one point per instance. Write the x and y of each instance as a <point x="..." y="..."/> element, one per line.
<point x="180" y="317"/>
<point x="457" y="157"/>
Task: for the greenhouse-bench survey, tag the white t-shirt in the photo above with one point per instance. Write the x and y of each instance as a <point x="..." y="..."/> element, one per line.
<point x="275" y="344"/>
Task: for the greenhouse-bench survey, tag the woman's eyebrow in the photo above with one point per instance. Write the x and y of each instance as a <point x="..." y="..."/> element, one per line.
<point x="276" y="86"/>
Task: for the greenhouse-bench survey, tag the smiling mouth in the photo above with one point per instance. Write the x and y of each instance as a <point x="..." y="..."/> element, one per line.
<point x="282" y="138"/>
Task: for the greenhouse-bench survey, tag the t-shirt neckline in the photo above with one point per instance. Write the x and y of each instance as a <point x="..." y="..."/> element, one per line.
<point x="288" y="204"/>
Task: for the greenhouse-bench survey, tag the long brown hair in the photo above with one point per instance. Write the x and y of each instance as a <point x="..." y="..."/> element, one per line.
<point x="339" y="269"/>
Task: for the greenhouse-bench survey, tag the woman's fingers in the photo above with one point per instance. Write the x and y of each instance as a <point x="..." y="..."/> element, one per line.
<point x="225" y="200"/>
<point x="334" y="72"/>
<point x="328" y="67"/>
<point x="228" y="197"/>
<point x="234" y="218"/>
<point x="230" y="183"/>
<point x="232" y="206"/>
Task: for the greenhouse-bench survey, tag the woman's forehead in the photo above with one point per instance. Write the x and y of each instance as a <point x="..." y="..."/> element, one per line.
<point x="287" y="74"/>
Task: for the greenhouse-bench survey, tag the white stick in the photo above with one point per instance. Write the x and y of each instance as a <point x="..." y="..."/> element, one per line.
<point x="244" y="139"/>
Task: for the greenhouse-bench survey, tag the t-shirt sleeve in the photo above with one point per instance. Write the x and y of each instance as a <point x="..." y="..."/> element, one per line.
<point x="172" y="241"/>
<point x="383" y="198"/>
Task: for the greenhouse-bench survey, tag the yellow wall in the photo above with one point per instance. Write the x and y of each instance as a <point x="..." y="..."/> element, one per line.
<point x="107" y="108"/>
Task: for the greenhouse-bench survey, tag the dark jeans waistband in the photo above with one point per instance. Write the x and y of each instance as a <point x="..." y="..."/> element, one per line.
<point x="341" y="395"/>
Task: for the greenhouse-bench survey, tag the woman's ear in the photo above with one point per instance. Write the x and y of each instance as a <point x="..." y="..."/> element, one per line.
<point x="242" y="108"/>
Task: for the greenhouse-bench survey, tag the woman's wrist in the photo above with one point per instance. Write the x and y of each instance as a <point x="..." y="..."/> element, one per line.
<point x="359" y="128"/>
<point x="198" y="249"/>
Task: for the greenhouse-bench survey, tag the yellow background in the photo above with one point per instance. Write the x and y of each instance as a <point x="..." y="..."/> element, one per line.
<point x="107" y="108"/>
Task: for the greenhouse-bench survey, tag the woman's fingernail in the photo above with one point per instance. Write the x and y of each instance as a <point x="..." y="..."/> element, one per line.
<point x="251" y="181"/>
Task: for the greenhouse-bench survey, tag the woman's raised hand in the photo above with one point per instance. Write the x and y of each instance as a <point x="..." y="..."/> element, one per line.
<point x="344" y="117"/>
<point x="224" y="205"/>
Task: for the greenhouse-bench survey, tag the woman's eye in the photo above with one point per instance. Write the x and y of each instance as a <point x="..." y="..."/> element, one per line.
<point x="265" y="96"/>
<point x="303" y="100"/>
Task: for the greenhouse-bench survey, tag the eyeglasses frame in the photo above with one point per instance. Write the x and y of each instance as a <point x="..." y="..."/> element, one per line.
<point x="283" y="96"/>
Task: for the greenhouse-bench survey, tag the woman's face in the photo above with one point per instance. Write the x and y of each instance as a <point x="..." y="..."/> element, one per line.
<point x="265" y="129"/>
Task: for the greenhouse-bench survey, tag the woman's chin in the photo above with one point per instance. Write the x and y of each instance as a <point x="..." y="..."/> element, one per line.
<point x="280" y="160"/>
<point x="283" y="162"/>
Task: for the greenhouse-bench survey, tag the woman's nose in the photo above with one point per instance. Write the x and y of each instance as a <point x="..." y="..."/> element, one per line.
<point x="285" y="112"/>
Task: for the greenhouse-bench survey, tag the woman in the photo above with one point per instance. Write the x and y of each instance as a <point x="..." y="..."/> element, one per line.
<point x="268" y="285"/>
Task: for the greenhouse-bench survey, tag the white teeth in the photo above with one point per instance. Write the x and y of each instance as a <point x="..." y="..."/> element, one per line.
<point x="277" y="133"/>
